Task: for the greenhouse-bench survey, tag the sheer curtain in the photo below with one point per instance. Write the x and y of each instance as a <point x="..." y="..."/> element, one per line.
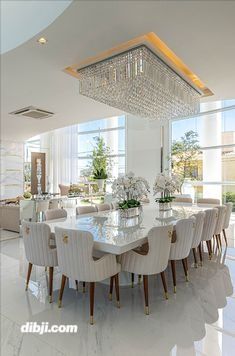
<point x="62" y="163"/>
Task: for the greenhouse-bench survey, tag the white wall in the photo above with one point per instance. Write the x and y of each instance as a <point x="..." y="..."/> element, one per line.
<point x="12" y="162"/>
<point x="144" y="147"/>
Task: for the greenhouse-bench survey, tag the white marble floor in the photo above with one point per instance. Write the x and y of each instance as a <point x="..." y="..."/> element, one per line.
<point x="198" y="320"/>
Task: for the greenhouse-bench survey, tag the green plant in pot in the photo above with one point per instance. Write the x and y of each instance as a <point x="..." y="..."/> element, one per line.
<point x="101" y="162"/>
<point x="27" y="195"/>
<point x="100" y="176"/>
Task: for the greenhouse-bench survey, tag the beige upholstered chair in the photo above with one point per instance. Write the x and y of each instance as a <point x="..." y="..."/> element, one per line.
<point x="229" y="207"/>
<point x="211" y="216"/>
<point x="104" y="207"/>
<point x="208" y="201"/>
<point x="36" y="237"/>
<point x="197" y="234"/>
<point x="183" y="200"/>
<point x="154" y="261"/>
<point x="219" y="224"/>
<point x="180" y="250"/>
<point x="87" y="209"/>
<point x="75" y="260"/>
<point x="64" y="189"/>
<point x="53" y="214"/>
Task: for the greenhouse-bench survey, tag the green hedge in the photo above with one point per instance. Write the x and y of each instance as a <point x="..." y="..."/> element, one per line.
<point x="229" y="197"/>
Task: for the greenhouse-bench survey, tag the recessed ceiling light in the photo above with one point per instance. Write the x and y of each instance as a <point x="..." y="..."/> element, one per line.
<point x="42" y="40"/>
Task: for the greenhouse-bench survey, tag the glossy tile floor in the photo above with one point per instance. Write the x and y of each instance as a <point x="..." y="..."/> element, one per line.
<point x="198" y="320"/>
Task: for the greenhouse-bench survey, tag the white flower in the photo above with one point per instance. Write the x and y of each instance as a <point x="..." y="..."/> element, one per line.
<point x="130" y="187"/>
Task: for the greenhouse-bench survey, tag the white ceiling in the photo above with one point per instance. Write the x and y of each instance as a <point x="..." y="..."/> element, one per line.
<point x="20" y="20"/>
<point x="200" y="32"/>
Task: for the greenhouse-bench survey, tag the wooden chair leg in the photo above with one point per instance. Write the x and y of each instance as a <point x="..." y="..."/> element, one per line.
<point x="219" y="238"/>
<point x="200" y="252"/>
<point x="51" y="269"/>
<point x="185" y="269"/>
<point x="195" y="257"/>
<point x="111" y="288"/>
<point x="63" y="281"/>
<point x="28" y="275"/>
<point x="173" y="274"/>
<point x="208" y="248"/>
<point x="132" y="280"/>
<point x="146" y="294"/>
<point x="225" y="237"/>
<point x="164" y="284"/>
<point x="116" y="278"/>
<point x="217" y="242"/>
<point x="76" y="282"/>
<point x="92" y="295"/>
<point x="83" y="287"/>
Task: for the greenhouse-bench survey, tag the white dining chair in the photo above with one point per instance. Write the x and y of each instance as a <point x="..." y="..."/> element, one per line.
<point x="219" y="224"/>
<point x="86" y="209"/>
<point x="211" y="216"/>
<point x="208" y="201"/>
<point x="104" y="207"/>
<point x="184" y="230"/>
<point x="227" y="217"/>
<point x="75" y="259"/>
<point x="154" y="261"/>
<point x="36" y="237"/>
<point x="197" y="234"/>
<point x="53" y="214"/>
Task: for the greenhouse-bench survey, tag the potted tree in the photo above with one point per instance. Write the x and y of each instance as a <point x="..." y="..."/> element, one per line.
<point x="100" y="162"/>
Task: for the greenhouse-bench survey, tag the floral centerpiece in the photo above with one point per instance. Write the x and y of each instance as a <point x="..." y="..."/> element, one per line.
<point x="129" y="190"/>
<point x="166" y="186"/>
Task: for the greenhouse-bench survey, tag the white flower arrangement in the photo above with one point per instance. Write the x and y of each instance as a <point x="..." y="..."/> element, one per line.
<point x="129" y="187"/>
<point x="165" y="185"/>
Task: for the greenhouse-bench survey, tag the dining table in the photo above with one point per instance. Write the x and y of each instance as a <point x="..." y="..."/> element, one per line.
<point x="115" y="234"/>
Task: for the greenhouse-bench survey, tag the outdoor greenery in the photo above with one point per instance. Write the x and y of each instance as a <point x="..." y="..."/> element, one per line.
<point x="100" y="174"/>
<point x="229" y="197"/>
<point x="184" y="156"/>
<point x="168" y="199"/>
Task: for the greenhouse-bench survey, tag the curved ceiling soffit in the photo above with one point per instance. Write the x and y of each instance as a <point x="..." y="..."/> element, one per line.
<point x="22" y="20"/>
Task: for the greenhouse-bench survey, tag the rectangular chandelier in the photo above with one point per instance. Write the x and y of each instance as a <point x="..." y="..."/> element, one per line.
<point x="142" y="77"/>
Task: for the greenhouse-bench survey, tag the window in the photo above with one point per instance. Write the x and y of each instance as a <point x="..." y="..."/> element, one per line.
<point x="212" y="169"/>
<point x="112" y="130"/>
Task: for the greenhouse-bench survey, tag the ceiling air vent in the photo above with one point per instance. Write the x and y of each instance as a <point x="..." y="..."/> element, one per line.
<point x="33" y="113"/>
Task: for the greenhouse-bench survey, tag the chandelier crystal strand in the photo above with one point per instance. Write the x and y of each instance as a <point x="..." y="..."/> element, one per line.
<point x="140" y="83"/>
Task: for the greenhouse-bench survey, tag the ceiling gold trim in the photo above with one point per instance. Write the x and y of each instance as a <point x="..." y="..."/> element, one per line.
<point x="152" y="41"/>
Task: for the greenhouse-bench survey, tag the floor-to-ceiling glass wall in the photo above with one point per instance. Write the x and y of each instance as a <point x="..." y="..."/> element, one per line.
<point x="209" y="169"/>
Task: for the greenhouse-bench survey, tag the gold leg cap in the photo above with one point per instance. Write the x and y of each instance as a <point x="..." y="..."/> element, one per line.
<point x="59" y="304"/>
<point x="50" y="298"/>
<point x="196" y="265"/>
<point x="110" y="296"/>
<point x="147" y="310"/>
<point x="186" y="278"/>
<point x="132" y="285"/>
<point x="91" y="320"/>
<point x="26" y="287"/>
<point x="166" y="295"/>
<point x="174" y="289"/>
<point x="83" y="290"/>
<point x="118" y="304"/>
<point x="139" y="279"/>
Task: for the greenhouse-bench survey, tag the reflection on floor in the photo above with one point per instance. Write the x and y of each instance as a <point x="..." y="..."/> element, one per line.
<point x="198" y="320"/>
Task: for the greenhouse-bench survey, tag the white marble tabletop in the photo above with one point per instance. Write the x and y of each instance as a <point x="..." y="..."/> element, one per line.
<point x="117" y="235"/>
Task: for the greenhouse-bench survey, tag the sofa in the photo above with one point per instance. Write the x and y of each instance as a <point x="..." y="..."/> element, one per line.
<point x="10" y="217"/>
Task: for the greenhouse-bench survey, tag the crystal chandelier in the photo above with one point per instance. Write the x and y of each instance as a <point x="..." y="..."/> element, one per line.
<point x="139" y="82"/>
